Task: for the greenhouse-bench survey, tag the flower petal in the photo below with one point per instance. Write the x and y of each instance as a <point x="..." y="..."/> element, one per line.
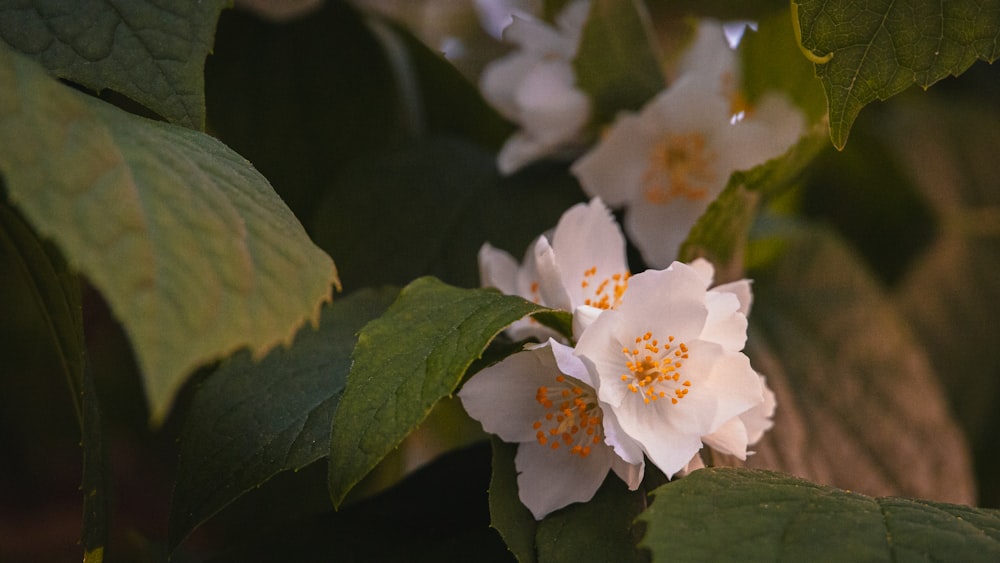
<point x="725" y="324"/>
<point x="502" y="396"/>
<point x="551" y="479"/>
<point x="730" y="438"/>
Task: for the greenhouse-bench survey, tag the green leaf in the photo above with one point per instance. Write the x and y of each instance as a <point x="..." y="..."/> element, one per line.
<point x="508" y="515"/>
<point x="439" y="200"/>
<point x="56" y="291"/>
<point x="859" y="406"/>
<point x="617" y="63"/>
<point x="601" y="529"/>
<point x="449" y="103"/>
<point x="320" y="83"/>
<point x="404" y="363"/>
<point x="720" y="235"/>
<point x="598" y="530"/>
<point x="739" y="515"/>
<point x="152" y="52"/>
<point x="771" y="61"/>
<point x="252" y="420"/>
<point x="877" y="51"/>
<point x="190" y="246"/>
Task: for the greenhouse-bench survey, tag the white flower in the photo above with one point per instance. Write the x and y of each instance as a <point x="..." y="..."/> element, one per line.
<point x="668" y="363"/>
<point x="535" y="87"/>
<point x="543" y="399"/>
<point x="584" y="265"/>
<point x="666" y="164"/>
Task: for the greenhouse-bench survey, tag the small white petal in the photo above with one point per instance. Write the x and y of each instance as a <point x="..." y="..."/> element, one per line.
<point x="626" y="447"/>
<point x="734" y="31"/>
<point x="759" y="419"/>
<point x="568" y="363"/>
<point x="730" y="438"/>
<point x="705" y="269"/>
<point x="551" y="479"/>
<point x="550" y="277"/>
<point x="583" y="317"/>
<point x="725" y="324"/>
<point x="741" y="289"/>
<point x="695" y="464"/>
<point x="497" y="268"/>
<point x="551" y="108"/>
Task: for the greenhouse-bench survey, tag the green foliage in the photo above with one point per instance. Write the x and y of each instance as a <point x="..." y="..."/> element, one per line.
<point x="215" y="260"/>
<point x="949" y="295"/>
<point x="599" y="530"/>
<point x="740" y="515"/>
<point x="57" y="295"/>
<point x="721" y="232"/>
<point x="508" y="515"/>
<point x="152" y="52"/>
<point x="437" y="201"/>
<point x="404" y="363"/>
<point x="859" y="402"/>
<point x="877" y="52"/>
<point x="253" y="419"/>
<point x="772" y="62"/>
<point x="618" y="62"/>
<point x="384" y="154"/>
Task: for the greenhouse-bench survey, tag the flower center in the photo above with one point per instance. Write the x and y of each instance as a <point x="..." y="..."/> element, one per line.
<point x="607" y="292"/>
<point x="572" y="419"/>
<point x="654" y="369"/>
<point x="679" y="166"/>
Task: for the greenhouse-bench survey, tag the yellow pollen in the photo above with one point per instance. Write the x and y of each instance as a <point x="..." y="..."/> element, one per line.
<point x="572" y="416"/>
<point x="609" y="290"/>
<point x="680" y="166"/>
<point x="654" y="375"/>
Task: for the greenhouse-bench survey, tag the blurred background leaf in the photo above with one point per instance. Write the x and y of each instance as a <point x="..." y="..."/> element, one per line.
<point x="859" y="404"/>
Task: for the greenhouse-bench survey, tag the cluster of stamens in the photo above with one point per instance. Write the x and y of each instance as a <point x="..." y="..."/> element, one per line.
<point x="654" y="369"/>
<point x="679" y="167"/>
<point x="608" y="292"/>
<point x="573" y="419"/>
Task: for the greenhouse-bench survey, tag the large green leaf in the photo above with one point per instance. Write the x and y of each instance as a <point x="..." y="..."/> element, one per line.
<point x="252" y="420"/>
<point x="191" y="247"/>
<point x="950" y="295"/>
<point x="151" y="51"/>
<point x="618" y="61"/>
<point x="859" y="405"/>
<point x="404" y="363"/>
<point x="56" y="292"/>
<point x="740" y="515"/>
<point x="878" y="49"/>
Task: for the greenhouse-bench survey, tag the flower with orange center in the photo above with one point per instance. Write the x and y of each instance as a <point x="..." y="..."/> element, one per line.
<point x="584" y="265"/>
<point x="668" y="365"/>
<point x="544" y="400"/>
<point x="667" y="163"/>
